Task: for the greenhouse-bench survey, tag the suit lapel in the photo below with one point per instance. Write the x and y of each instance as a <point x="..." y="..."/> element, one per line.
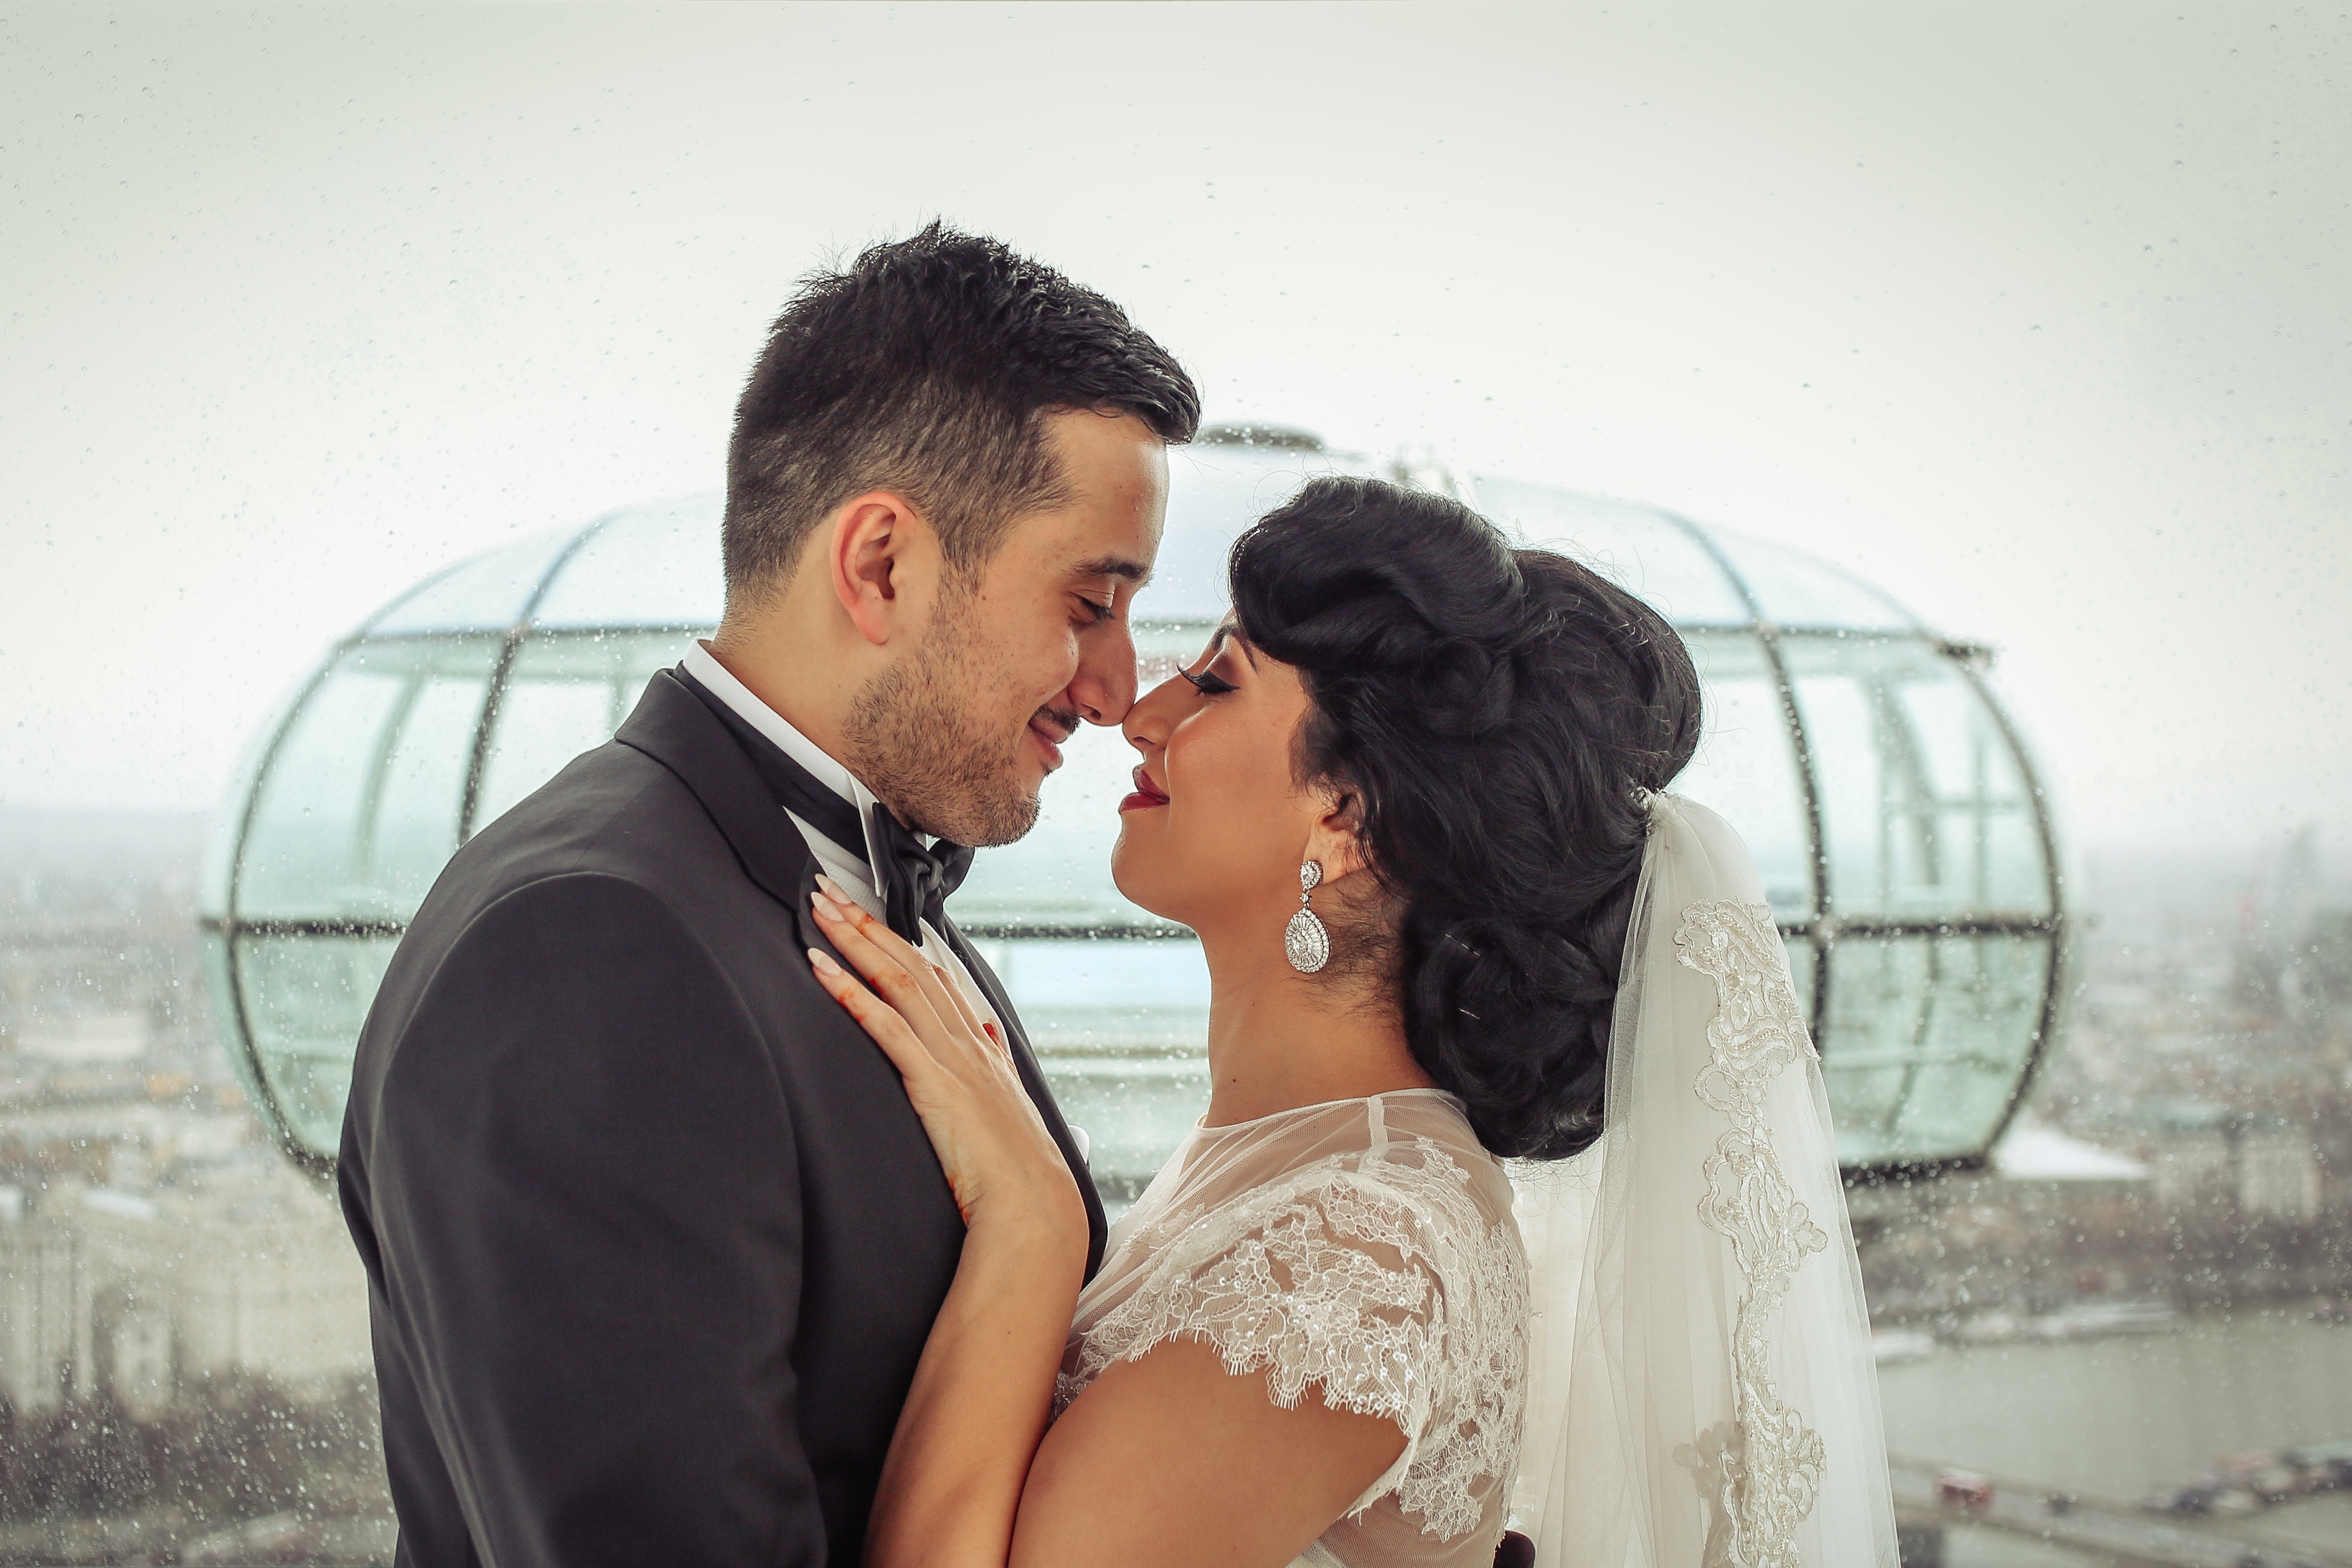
<point x="679" y="730"/>
<point x="672" y="726"/>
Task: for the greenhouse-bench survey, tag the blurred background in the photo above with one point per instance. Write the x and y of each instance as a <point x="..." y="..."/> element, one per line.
<point x="1973" y="384"/>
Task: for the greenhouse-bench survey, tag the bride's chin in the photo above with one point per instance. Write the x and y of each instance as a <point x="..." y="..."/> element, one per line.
<point x="1130" y="873"/>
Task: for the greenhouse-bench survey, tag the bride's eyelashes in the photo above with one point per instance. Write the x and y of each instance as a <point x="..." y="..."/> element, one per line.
<point x="1208" y="683"/>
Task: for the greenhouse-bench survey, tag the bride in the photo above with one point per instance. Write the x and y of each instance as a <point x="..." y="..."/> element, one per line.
<point x="1410" y="799"/>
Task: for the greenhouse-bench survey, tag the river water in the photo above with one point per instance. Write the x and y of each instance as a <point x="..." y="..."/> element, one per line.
<point x="2119" y="1417"/>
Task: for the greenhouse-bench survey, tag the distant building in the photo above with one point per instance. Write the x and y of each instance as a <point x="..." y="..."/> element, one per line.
<point x="36" y="1305"/>
<point x="2276" y="1172"/>
<point x="134" y="1293"/>
<point x="2208" y="1154"/>
<point x="2051" y="1179"/>
<point x="89" y="1037"/>
<point x="120" y="1137"/>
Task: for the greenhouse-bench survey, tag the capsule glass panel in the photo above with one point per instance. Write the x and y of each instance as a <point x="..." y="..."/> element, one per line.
<point x="1793" y="589"/>
<point x="1925" y="1038"/>
<point x="1923" y="803"/>
<point x="1645" y="553"/>
<point x="563" y="696"/>
<point x="487" y="594"/>
<point x="305" y="998"/>
<point x="650" y="566"/>
<point x="420" y="790"/>
<point x="219" y="865"/>
<point x="357" y="807"/>
<point x="1746" y="767"/>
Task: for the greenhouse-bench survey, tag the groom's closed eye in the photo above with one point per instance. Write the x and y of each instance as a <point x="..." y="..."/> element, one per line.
<point x="1098" y="583"/>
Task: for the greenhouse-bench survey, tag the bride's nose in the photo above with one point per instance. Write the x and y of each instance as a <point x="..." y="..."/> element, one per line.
<point x="1147" y="723"/>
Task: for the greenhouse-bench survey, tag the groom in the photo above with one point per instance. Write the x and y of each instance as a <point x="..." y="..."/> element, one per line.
<point x="652" y="1237"/>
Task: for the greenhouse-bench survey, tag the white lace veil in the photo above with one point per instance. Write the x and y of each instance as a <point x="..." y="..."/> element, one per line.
<point x="1701" y="1388"/>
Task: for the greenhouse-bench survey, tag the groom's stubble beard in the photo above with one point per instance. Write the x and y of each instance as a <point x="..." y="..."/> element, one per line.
<point x="921" y="744"/>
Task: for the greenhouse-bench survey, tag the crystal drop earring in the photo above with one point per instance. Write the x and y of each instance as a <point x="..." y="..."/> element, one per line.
<point x="1304" y="942"/>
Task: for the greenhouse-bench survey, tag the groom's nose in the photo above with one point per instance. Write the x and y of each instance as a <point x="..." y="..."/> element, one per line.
<point x="1103" y="690"/>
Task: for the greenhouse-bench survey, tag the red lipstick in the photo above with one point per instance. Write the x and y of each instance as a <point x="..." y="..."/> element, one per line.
<point x="1146" y="793"/>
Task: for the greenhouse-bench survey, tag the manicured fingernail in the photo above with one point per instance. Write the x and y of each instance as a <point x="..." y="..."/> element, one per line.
<point x="833" y="890"/>
<point x="824" y="965"/>
<point x="826" y="910"/>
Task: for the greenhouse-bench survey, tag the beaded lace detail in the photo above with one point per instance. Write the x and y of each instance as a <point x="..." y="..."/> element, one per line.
<point x="1764" y="1468"/>
<point x="1371" y="1274"/>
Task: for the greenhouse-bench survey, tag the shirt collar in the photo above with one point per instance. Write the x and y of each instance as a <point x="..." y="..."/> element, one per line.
<point x="720" y="682"/>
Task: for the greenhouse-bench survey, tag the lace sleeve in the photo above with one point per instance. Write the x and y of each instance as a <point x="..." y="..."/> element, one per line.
<point x="1374" y="1279"/>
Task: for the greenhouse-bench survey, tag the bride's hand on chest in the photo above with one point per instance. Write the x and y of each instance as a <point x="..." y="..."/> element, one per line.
<point x="1007" y="1173"/>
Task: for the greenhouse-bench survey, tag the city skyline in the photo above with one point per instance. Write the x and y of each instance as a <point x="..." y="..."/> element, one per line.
<point x="173" y="1291"/>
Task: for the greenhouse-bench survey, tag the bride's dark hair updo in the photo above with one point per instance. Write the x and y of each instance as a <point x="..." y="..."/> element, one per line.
<point x="1495" y="712"/>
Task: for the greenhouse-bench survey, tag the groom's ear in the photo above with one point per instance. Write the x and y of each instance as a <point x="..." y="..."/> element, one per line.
<point x="882" y="560"/>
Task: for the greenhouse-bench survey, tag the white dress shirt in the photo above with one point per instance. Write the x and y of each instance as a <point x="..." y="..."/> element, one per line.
<point x="855" y="876"/>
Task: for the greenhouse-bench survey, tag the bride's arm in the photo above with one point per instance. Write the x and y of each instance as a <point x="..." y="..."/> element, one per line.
<point x="983" y="1388"/>
<point x="1171" y="1461"/>
<point x="1167" y="1459"/>
<point x="982" y="1394"/>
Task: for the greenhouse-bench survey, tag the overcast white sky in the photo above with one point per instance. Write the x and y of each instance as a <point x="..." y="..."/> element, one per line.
<point x="2041" y="316"/>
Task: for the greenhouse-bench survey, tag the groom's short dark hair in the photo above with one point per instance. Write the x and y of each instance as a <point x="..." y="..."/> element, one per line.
<point x="926" y="367"/>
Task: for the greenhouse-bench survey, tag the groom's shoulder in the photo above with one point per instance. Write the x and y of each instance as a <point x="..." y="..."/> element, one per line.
<point x="615" y="818"/>
<point x="613" y="852"/>
<point x="563" y="943"/>
<point x="612" y="810"/>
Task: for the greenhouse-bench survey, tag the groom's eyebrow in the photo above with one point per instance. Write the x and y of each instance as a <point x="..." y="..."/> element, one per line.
<point x="1119" y="566"/>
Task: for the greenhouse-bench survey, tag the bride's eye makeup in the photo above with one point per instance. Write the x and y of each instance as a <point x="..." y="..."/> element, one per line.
<point x="1208" y="683"/>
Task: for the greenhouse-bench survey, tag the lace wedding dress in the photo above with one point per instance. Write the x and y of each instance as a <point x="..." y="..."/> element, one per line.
<point x="1671" y="1371"/>
<point x="1365" y="1247"/>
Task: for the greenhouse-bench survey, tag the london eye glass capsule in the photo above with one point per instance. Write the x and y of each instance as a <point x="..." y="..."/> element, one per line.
<point x="1906" y="846"/>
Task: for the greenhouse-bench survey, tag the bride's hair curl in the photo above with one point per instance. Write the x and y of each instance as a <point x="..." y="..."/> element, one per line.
<point x="1496" y="713"/>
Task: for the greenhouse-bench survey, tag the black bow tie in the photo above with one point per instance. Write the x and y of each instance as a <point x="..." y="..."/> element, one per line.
<point x="914" y="881"/>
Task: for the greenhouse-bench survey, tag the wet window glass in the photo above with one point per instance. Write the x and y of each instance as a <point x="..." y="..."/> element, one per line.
<point x="652" y="566"/>
<point x="1792" y="589"/>
<point x="1663" y="560"/>
<point x="1746" y="767"/>
<point x="1885" y="799"/>
<point x="1926" y="810"/>
<point x="488" y="593"/>
<point x="368" y="390"/>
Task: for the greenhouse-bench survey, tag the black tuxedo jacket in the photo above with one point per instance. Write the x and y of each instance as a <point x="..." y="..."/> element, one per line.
<point x="653" y="1238"/>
